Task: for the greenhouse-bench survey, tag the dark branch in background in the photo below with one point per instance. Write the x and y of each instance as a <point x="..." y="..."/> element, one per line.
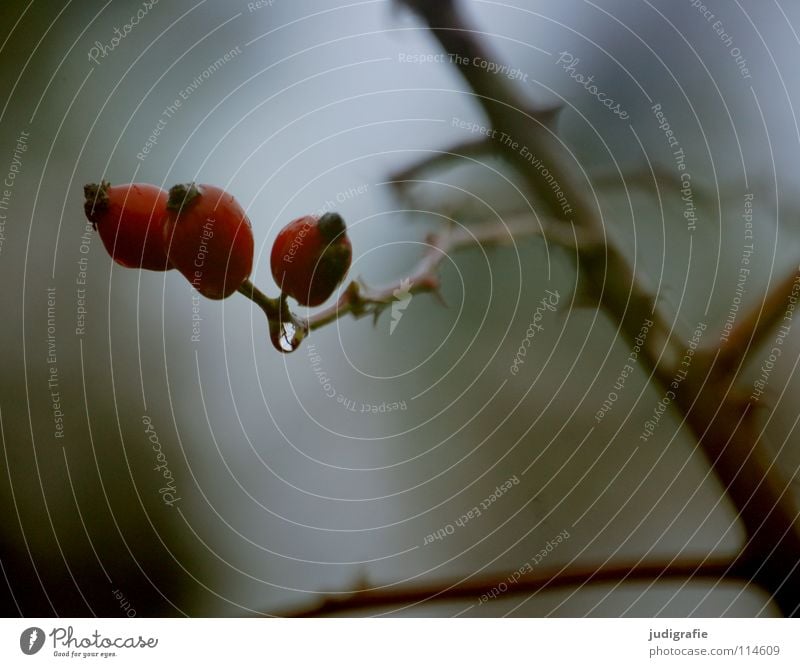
<point x="439" y="159"/>
<point x="758" y="323"/>
<point x="713" y="410"/>
<point x="545" y="579"/>
<point x="709" y="402"/>
<point x="611" y="282"/>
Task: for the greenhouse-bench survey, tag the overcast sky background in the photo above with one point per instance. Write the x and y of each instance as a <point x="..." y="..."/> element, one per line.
<point x="284" y="492"/>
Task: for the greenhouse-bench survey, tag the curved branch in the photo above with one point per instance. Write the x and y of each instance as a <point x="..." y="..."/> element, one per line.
<point x="612" y="282"/>
<point x="720" y="422"/>
<point x="438" y="159"/>
<point x="545" y="579"/>
<point x="359" y="300"/>
<point x="755" y="326"/>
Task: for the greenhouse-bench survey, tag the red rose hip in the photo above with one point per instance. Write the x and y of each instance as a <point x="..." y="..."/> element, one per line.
<point x="311" y="257"/>
<point x="129" y="219"/>
<point x="209" y="239"/>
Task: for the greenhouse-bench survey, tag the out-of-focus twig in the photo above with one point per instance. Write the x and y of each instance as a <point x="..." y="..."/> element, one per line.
<point x="713" y="410"/>
<point x="441" y="158"/>
<point x="752" y="329"/>
<point x="611" y="281"/>
<point x="360" y="300"/>
<point x="545" y="579"/>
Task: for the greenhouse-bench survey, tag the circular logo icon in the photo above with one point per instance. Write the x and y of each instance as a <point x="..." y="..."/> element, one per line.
<point x="31" y="640"/>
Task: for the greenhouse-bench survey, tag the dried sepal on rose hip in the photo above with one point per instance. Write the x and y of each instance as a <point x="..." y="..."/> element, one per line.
<point x="311" y="257"/>
<point x="209" y="239"/>
<point x="129" y="219"/>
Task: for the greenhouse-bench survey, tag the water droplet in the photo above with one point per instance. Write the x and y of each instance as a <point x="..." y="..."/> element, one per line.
<point x="287" y="336"/>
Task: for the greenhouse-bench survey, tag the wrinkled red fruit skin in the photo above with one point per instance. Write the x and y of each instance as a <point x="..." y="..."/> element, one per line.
<point x="129" y="219"/>
<point x="308" y="265"/>
<point x="209" y="239"/>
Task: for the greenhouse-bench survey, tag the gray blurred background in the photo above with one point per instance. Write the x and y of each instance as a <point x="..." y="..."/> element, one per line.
<point x="284" y="492"/>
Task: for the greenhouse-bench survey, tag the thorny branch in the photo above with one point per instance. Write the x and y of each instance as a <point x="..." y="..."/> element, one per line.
<point x="709" y="401"/>
<point x="359" y="300"/>
<point x="544" y="579"/>
<point x="758" y="323"/>
<point x="714" y="411"/>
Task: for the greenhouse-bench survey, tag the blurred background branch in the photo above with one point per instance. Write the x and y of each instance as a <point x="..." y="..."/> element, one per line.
<point x="481" y="589"/>
<point x="715" y="412"/>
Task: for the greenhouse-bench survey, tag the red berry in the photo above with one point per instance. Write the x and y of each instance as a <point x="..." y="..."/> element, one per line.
<point x="310" y="257"/>
<point x="129" y="219"/>
<point x="208" y="238"/>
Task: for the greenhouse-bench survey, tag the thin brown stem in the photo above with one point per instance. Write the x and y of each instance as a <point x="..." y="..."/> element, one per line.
<point x="715" y="414"/>
<point x="611" y="281"/>
<point x="479" y="589"/>
<point x="270" y="306"/>
<point x="752" y="330"/>
<point x="359" y="300"/>
<point x="286" y="331"/>
<point x="439" y="159"/>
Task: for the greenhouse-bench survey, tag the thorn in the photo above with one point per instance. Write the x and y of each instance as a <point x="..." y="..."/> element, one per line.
<point x="361" y="582"/>
<point x="399" y="182"/>
<point x="549" y="116"/>
<point x="433" y="285"/>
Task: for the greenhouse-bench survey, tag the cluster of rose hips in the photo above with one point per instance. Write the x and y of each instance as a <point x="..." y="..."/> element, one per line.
<point x="202" y="231"/>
